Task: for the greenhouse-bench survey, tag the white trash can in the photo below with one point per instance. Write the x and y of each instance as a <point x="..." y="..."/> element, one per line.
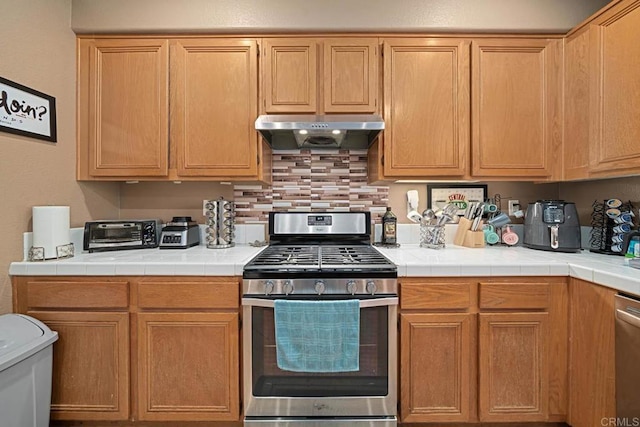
<point x="26" y="357"/>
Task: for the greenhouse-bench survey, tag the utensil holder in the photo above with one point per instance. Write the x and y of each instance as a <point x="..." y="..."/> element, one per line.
<point x="220" y="224"/>
<point x="432" y="236"/>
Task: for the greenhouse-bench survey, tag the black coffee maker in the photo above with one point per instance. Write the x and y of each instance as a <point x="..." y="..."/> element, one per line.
<point x="552" y="225"/>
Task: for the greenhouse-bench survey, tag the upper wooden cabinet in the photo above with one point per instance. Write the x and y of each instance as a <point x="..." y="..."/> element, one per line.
<point x="577" y="121"/>
<point x="615" y="91"/>
<point x="323" y="75"/>
<point x="516" y="106"/>
<point x="123" y="108"/>
<point x="214" y="96"/>
<point x="161" y="109"/>
<point x="426" y="107"/>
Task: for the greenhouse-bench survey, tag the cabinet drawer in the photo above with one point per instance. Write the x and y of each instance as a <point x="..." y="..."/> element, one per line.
<point x="188" y="294"/>
<point x="435" y="295"/>
<point x="73" y="294"/>
<point x="514" y="295"/>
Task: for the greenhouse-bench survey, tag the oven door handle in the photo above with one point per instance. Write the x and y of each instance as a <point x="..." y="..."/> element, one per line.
<point x="364" y="303"/>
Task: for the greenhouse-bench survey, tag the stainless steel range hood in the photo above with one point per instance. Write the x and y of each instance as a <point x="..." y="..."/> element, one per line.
<point x="294" y="131"/>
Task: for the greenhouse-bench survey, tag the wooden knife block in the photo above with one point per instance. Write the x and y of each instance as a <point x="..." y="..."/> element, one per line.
<point x="465" y="237"/>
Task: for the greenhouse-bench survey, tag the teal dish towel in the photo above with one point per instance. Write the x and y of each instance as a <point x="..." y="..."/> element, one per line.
<point x="318" y="336"/>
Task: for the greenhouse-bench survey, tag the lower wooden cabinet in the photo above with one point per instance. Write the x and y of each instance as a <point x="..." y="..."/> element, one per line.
<point x="513" y="367"/>
<point x="484" y="350"/>
<point x="592" y="354"/>
<point x="188" y="366"/>
<point x="90" y="364"/>
<point x="436" y="366"/>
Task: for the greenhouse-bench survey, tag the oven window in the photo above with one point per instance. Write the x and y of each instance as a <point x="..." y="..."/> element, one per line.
<point x="371" y="380"/>
<point x="116" y="234"/>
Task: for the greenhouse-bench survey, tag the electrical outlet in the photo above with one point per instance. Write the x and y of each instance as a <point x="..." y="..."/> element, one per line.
<point x="514" y="206"/>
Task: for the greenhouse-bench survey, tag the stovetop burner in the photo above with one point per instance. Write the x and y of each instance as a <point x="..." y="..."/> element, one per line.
<point x="318" y="257"/>
<point x="320" y="245"/>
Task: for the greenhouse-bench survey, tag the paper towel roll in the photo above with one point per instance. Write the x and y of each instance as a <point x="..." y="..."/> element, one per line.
<point x="50" y="228"/>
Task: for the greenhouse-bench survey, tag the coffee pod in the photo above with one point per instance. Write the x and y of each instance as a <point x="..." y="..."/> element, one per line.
<point x="613" y="203"/>
<point x="613" y="213"/>
<point x="622" y="228"/>
<point x="624" y="218"/>
<point x="616" y="248"/>
<point x="617" y="238"/>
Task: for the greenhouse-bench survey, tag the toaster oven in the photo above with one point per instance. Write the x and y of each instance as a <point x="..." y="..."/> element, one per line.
<point x="121" y="234"/>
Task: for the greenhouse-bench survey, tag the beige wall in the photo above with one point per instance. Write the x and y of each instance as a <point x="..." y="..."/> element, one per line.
<point x="586" y="192"/>
<point x="330" y="15"/>
<point x="165" y="200"/>
<point x="525" y="192"/>
<point x="37" y="49"/>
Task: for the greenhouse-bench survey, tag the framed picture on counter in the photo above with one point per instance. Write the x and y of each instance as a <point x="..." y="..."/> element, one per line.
<point x="27" y="112"/>
<point x="439" y="195"/>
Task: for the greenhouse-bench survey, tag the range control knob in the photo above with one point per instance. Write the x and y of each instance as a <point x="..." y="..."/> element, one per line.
<point x="268" y="287"/>
<point x="319" y="287"/>
<point x="287" y="287"/>
<point x="371" y="287"/>
<point x="351" y="287"/>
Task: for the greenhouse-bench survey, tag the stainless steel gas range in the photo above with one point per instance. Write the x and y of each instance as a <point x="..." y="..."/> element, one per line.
<point x="320" y="261"/>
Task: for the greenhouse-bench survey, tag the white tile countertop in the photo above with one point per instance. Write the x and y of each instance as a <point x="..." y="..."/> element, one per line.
<point x="195" y="261"/>
<point x="411" y="259"/>
<point x="458" y="261"/>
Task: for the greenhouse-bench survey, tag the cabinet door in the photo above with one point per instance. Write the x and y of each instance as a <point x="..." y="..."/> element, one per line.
<point x="290" y="67"/>
<point x="214" y="103"/>
<point x="123" y="107"/>
<point x="616" y="85"/>
<point x="592" y="354"/>
<point x="426" y="107"/>
<point x="516" y="108"/>
<point x="90" y="365"/>
<point x="513" y="367"/>
<point x="435" y="369"/>
<point x="576" y="106"/>
<point x="188" y="367"/>
<point x="350" y="75"/>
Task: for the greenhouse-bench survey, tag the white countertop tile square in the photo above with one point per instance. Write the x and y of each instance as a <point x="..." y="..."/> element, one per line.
<point x="475" y="270"/>
<point x="42" y="268"/>
<point x="505" y="270"/>
<point x="159" y="269"/>
<point x="534" y="270"/>
<point x="101" y="269"/>
<point x="72" y="269"/>
<point x="130" y="269"/>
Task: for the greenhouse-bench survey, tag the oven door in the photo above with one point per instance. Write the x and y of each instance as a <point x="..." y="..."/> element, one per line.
<point x="370" y="391"/>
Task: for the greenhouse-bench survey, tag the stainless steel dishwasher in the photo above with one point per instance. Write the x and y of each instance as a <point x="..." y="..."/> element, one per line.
<point x="628" y="358"/>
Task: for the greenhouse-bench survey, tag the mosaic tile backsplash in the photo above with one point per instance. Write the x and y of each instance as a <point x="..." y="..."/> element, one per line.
<point x="312" y="180"/>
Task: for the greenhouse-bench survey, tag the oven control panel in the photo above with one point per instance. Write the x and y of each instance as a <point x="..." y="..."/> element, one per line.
<point x="348" y="286"/>
<point x="315" y="220"/>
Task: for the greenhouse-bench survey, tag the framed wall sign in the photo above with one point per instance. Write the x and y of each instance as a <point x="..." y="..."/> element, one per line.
<point x="439" y="195"/>
<point x="27" y="112"/>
